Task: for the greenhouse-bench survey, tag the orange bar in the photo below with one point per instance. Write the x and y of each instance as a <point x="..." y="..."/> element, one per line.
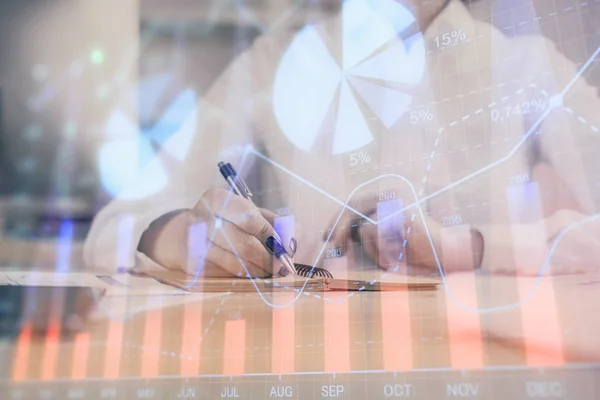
<point x="337" y="334"/>
<point x="81" y="350"/>
<point x="50" y="355"/>
<point x="235" y="347"/>
<point x="114" y="341"/>
<point x="539" y="315"/>
<point x="19" y="371"/>
<point x="191" y="334"/>
<point x="466" y="348"/>
<point x="284" y="341"/>
<point x="395" y="309"/>
<point x="543" y="339"/>
<point x="151" y="350"/>
<point x="396" y="329"/>
<point x="337" y="322"/>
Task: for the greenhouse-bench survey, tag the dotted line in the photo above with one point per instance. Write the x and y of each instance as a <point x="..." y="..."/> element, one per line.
<point x="428" y="168"/>
<point x="549" y="15"/>
<point x="582" y="120"/>
<point x="420" y="193"/>
<point x="289" y="288"/>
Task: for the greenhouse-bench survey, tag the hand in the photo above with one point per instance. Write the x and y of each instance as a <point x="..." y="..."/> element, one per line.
<point x="210" y="237"/>
<point x="384" y="243"/>
<point x="577" y="249"/>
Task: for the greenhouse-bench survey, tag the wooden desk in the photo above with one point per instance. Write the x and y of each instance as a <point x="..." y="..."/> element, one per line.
<point x="381" y="340"/>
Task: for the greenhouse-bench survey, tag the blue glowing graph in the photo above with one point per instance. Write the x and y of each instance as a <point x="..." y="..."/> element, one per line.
<point x="133" y="162"/>
<point x="373" y="57"/>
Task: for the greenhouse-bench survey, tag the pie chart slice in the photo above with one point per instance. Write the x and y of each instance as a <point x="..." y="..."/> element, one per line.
<point x="309" y="77"/>
<point x="388" y="104"/>
<point x="396" y="64"/>
<point x="351" y="130"/>
<point x="120" y="165"/>
<point x="362" y="34"/>
<point x="176" y="129"/>
<point x="305" y="85"/>
<point x="130" y="166"/>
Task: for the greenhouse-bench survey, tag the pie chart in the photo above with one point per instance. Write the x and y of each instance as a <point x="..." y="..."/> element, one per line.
<point x="136" y="163"/>
<point x="373" y="64"/>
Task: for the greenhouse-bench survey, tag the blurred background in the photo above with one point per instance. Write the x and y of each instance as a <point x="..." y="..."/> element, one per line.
<point x="76" y="76"/>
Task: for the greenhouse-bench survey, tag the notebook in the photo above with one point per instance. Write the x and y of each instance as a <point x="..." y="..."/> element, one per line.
<point x="296" y="283"/>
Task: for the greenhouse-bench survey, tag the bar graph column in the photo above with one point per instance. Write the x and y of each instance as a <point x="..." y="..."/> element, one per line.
<point x="114" y="339"/>
<point x="539" y="313"/>
<point x="235" y="347"/>
<point x="283" y="331"/>
<point x="284" y="325"/>
<point x="197" y="247"/>
<point x="151" y="344"/>
<point x="395" y="309"/>
<point x="50" y="354"/>
<point x="21" y="360"/>
<point x="81" y="349"/>
<point x="191" y="343"/>
<point x="192" y="324"/>
<point x="337" y="321"/>
<point x="464" y="327"/>
<point x="114" y="348"/>
<point x="396" y="331"/>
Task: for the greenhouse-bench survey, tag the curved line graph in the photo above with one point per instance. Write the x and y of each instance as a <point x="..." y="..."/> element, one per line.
<point x="449" y="292"/>
<point x="417" y="203"/>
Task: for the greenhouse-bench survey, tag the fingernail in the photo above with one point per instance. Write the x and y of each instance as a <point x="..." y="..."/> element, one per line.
<point x="283" y="272"/>
<point x="293" y="246"/>
<point x="275" y="246"/>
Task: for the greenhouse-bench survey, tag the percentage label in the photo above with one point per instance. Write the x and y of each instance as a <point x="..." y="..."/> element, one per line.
<point x="421" y="116"/>
<point x="523" y="108"/>
<point x="537" y="104"/>
<point x="360" y="158"/>
<point x="450" y="38"/>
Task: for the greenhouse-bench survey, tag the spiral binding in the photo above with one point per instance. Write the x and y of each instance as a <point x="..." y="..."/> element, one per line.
<point x="308" y="271"/>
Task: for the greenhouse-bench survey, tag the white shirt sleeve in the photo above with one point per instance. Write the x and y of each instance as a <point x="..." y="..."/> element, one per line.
<point x="560" y="139"/>
<point x="225" y="127"/>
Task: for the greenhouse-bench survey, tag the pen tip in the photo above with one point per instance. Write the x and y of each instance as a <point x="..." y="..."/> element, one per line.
<point x="221" y="164"/>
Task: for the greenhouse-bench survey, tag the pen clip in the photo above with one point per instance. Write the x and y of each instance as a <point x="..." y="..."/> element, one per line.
<point x="242" y="185"/>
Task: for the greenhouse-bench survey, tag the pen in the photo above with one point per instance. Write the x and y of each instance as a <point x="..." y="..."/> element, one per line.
<point x="273" y="244"/>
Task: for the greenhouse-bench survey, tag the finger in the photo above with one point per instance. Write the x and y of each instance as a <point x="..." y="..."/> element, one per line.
<point x="339" y="232"/>
<point x="284" y="227"/>
<point x="212" y="270"/>
<point x="575" y="253"/>
<point x="384" y="249"/>
<point x="249" y="248"/>
<point x="234" y="264"/>
<point x="225" y="260"/>
<point x="269" y="215"/>
<point x="239" y="211"/>
<point x="369" y="242"/>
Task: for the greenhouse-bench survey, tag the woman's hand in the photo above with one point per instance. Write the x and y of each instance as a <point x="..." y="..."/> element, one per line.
<point x="457" y="249"/>
<point x="215" y="237"/>
<point x="567" y="242"/>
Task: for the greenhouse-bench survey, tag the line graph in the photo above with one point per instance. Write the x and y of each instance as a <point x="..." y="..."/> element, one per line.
<point x="530" y="132"/>
<point x="416" y="206"/>
<point x="558" y="101"/>
<point x="250" y="150"/>
<point x="449" y="292"/>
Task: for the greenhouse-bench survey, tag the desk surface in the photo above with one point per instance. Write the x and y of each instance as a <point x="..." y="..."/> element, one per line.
<point x="480" y="323"/>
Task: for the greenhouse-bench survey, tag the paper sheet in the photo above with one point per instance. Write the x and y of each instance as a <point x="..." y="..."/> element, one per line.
<point x="115" y="285"/>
